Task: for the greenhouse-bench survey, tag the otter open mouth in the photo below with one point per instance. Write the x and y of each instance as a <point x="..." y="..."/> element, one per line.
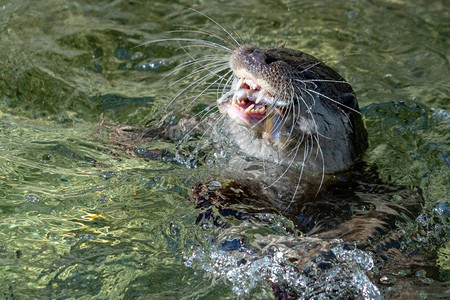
<point x="251" y="106"/>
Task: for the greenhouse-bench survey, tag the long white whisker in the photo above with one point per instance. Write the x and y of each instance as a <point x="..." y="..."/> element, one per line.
<point x="323" y="166"/>
<point x="321" y="80"/>
<point x="193" y="85"/>
<point x="202" y="120"/>
<point x="228" y="83"/>
<point x="198" y="70"/>
<point x="198" y="41"/>
<point x="220" y="26"/>
<point x="227" y="78"/>
<point x="190" y="63"/>
<point x="201" y="80"/>
<point x="335" y="101"/>
<point x="305" y="152"/>
<point x="205" y="89"/>
<point x="291" y="162"/>
<point x="211" y="34"/>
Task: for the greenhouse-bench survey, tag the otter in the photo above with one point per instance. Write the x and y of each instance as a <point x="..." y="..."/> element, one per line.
<point x="292" y="112"/>
<point x="297" y="105"/>
<point x="293" y="130"/>
<point x="296" y="137"/>
<point x="297" y="125"/>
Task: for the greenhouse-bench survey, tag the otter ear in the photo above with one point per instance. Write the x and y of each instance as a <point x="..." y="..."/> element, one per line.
<point x="349" y="100"/>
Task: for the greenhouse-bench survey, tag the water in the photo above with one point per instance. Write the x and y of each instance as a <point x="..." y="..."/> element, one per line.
<point x="81" y="218"/>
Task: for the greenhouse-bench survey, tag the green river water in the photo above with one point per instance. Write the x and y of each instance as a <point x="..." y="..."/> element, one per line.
<point x="82" y="219"/>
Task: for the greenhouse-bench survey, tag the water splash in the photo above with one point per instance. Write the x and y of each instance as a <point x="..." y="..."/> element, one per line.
<point x="329" y="269"/>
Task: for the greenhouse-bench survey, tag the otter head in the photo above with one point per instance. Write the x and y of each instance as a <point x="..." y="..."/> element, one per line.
<point x="299" y="108"/>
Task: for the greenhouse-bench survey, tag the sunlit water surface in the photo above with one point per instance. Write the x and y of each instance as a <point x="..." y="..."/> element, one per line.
<point x="80" y="218"/>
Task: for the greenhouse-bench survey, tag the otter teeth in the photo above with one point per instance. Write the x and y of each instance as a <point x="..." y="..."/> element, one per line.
<point x="240" y="82"/>
<point x="247" y="89"/>
<point x="261" y="95"/>
<point x="252" y="84"/>
<point x="248" y="109"/>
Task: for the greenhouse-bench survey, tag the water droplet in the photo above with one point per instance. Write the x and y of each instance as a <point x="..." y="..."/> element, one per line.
<point x="388" y="279"/>
<point x="151" y="65"/>
<point x="442" y="209"/>
<point x="32" y="198"/>
<point x="46" y="158"/>
<point x="427" y="280"/>
<point x="107" y="175"/>
<point x="136" y="55"/>
<point x="352" y="15"/>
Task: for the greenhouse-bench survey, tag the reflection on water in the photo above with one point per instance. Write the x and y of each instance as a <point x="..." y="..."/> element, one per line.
<point x="80" y="217"/>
